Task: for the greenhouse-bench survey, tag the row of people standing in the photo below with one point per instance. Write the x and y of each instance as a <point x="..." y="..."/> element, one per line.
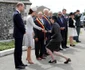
<point x="42" y="36"/>
<point x="70" y="27"/>
<point x="48" y="42"/>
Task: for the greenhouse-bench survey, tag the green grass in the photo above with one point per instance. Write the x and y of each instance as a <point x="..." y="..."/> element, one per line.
<point x="6" y="45"/>
<point x="69" y="42"/>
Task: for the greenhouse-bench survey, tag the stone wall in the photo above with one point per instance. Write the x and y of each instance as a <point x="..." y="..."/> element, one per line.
<point x="6" y="22"/>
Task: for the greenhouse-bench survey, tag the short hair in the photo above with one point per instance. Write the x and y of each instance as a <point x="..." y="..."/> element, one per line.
<point x="77" y="10"/>
<point x="20" y="4"/>
<point x="50" y="11"/>
<point x="40" y="12"/>
<point x="64" y="9"/>
<point x="59" y="12"/>
<point x="45" y="10"/>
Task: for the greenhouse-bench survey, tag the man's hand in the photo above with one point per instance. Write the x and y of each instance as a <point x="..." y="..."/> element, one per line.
<point x="49" y="31"/>
<point x="36" y="39"/>
<point x="43" y="30"/>
<point x="62" y="28"/>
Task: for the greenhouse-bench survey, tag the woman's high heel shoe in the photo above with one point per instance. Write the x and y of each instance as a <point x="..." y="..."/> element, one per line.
<point x="30" y="62"/>
<point x="52" y="61"/>
<point x="67" y="61"/>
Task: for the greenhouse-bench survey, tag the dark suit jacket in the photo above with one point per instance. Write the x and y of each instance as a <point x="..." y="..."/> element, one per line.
<point x="47" y="26"/>
<point x="71" y="23"/>
<point x="38" y="34"/>
<point x="19" y="28"/>
<point x="77" y="18"/>
<point x="62" y="24"/>
<point x="56" y="33"/>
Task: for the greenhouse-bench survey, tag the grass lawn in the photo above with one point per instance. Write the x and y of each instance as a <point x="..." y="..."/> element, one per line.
<point x="9" y="45"/>
<point x="6" y="45"/>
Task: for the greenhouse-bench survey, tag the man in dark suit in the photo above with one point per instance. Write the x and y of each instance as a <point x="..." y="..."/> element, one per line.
<point x="19" y="31"/>
<point x="62" y="22"/>
<point x="66" y="21"/>
<point x="47" y="24"/>
<point x="39" y="37"/>
<point x="78" y="25"/>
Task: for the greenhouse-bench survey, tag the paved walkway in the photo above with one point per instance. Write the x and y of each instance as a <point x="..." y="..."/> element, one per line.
<point x="77" y="55"/>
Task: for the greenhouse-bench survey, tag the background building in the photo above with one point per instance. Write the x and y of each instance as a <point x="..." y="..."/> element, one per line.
<point x="40" y="8"/>
<point x="7" y="7"/>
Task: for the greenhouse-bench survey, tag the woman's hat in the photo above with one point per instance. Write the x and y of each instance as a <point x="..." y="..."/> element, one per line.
<point x="71" y="14"/>
<point x="33" y="8"/>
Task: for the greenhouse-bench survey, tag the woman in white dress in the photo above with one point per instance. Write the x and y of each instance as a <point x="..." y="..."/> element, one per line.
<point x="29" y="32"/>
<point x="72" y="29"/>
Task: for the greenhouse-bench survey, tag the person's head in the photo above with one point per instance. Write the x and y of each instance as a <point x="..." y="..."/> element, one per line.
<point x="59" y="14"/>
<point x="32" y="11"/>
<point x="53" y="19"/>
<point x="72" y="15"/>
<point x="77" y="11"/>
<point x="64" y="11"/>
<point x="50" y="13"/>
<point x="40" y="14"/>
<point x="20" y="6"/>
<point x="45" y="11"/>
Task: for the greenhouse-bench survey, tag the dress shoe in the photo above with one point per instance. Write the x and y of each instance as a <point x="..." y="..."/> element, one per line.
<point x="67" y="47"/>
<point x="54" y="61"/>
<point x="72" y="45"/>
<point x="24" y="65"/>
<point x="60" y="49"/>
<point x="43" y="58"/>
<point x="20" y="67"/>
<point x="78" y="41"/>
<point x="67" y="61"/>
<point x="39" y="58"/>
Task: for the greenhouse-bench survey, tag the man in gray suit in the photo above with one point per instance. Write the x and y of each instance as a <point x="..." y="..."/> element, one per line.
<point x="78" y="25"/>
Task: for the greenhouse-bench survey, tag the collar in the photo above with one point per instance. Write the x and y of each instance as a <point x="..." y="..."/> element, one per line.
<point x="18" y="10"/>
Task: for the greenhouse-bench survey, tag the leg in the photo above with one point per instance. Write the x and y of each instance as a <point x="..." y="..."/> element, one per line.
<point x="63" y="36"/>
<point x="78" y="32"/>
<point x="50" y="53"/>
<point x="37" y="48"/>
<point x="29" y="55"/>
<point x="66" y="37"/>
<point x="71" y="40"/>
<point x="18" y="52"/>
<point x="42" y="48"/>
<point x="59" y="54"/>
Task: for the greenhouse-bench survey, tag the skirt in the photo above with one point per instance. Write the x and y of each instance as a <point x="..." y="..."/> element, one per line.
<point x="72" y="32"/>
<point x="28" y="40"/>
<point x="53" y="46"/>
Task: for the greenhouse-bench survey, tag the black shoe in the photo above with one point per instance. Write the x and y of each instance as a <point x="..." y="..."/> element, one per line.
<point x="52" y="61"/>
<point x="24" y="65"/>
<point x="60" y="49"/>
<point x="67" y="47"/>
<point x="43" y="58"/>
<point x="78" y="41"/>
<point x="72" y="45"/>
<point x="20" y="67"/>
<point x="67" y="61"/>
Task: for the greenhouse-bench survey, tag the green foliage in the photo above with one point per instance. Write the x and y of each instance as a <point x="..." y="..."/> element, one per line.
<point x="6" y="45"/>
<point x="84" y="13"/>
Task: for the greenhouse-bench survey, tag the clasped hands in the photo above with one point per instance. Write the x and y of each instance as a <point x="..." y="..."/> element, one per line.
<point x="43" y="30"/>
